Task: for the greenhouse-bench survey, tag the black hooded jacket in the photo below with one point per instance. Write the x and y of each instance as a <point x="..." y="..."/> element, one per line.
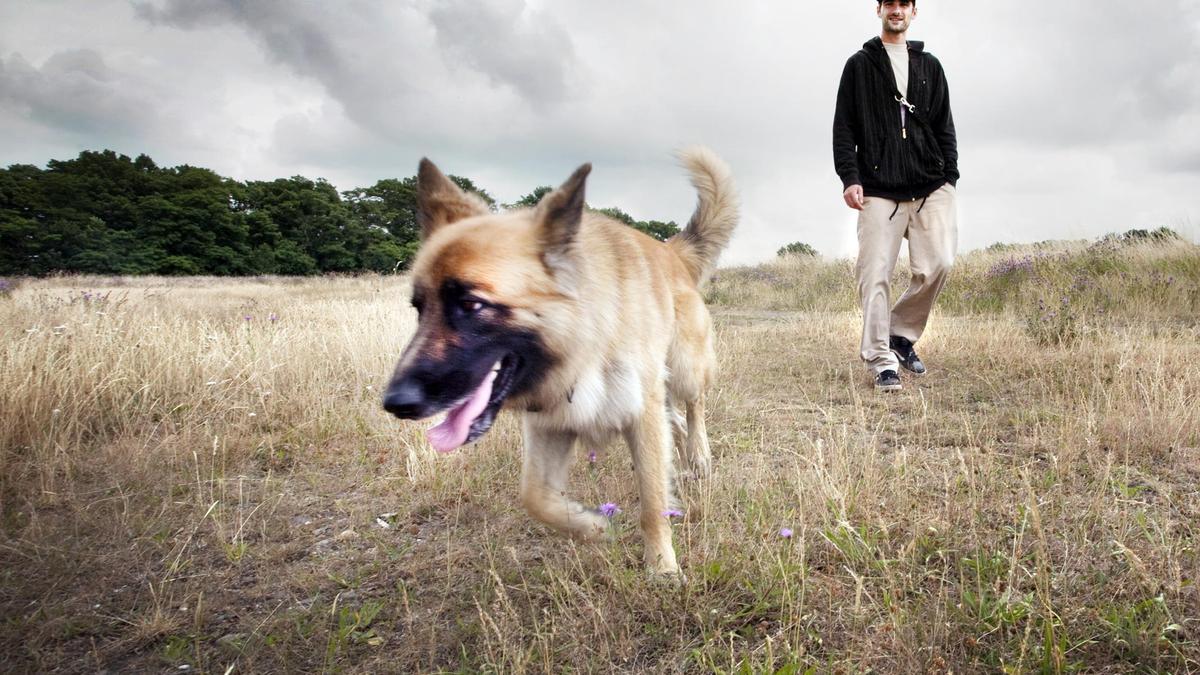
<point x="871" y="148"/>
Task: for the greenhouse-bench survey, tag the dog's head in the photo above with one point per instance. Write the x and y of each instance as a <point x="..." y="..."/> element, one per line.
<point x="488" y="289"/>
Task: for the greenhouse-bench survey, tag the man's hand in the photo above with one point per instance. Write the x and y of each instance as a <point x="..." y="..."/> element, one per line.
<point x="854" y="197"/>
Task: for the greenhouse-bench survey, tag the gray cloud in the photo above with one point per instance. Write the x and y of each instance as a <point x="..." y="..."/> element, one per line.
<point x="1082" y="73"/>
<point x="289" y="34"/>
<point x="74" y="92"/>
<point x="188" y="13"/>
<point x="1074" y="118"/>
<point x="509" y="42"/>
<point x="391" y="66"/>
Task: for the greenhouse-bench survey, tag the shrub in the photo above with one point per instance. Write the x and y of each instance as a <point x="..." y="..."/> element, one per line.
<point x="797" y="248"/>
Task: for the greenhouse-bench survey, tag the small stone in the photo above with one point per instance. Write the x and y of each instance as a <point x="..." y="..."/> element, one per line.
<point x="232" y="642"/>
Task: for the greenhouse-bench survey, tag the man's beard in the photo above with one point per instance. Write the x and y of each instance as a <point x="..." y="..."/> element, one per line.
<point x="901" y="28"/>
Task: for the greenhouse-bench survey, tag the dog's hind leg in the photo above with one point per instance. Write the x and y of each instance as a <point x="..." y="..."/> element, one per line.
<point x="679" y="432"/>
<point x="692" y="363"/>
<point x="548" y="458"/>
<point x="698" y="454"/>
<point x="649" y="441"/>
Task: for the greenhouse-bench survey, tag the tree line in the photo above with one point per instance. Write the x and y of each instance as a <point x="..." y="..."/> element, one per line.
<point x="104" y="213"/>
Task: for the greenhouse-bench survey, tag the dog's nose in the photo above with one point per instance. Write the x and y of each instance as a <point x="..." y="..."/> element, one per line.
<point x="406" y="399"/>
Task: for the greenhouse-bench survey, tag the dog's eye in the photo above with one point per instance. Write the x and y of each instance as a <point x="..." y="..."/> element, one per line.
<point x="470" y="305"/>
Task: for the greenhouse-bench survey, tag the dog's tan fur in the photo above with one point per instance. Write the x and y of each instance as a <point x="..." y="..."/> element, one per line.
<point x="620" y="315"/>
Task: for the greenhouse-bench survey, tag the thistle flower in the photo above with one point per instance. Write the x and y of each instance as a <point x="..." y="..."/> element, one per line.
<point x="247" y="317"/>
<point x="609" y="509"/>
<point x="673" y="513"/>
<point x="592" y="456"/>
<point x="786" y="532"/>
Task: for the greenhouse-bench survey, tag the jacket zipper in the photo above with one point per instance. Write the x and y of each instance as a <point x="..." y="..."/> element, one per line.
<point x="905" y="107"/>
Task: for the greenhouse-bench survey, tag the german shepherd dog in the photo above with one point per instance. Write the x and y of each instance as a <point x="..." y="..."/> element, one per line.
<point x="584" y="325"/>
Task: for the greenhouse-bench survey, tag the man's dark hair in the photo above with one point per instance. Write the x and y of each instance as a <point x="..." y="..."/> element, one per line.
<point x="911" y="2"/>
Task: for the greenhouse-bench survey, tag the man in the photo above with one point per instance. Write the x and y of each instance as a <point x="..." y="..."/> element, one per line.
<point x="895" y="151"/>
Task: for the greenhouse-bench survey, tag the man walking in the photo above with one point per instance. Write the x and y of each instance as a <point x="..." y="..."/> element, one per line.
<point x="895" y="151"/>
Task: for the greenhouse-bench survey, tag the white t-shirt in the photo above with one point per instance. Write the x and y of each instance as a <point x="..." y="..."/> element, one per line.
<point x="898" y="54"/>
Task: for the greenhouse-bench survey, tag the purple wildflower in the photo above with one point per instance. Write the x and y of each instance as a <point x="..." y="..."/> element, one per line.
<point x="673" y="513"/>
<point x="609" y="509"/>
<point x="247" y="317"/>
<point x="785" y="532"/>
<point x="592" y="456"/>
<point x="1011" y="265"/>
<point x="273" y="317"/>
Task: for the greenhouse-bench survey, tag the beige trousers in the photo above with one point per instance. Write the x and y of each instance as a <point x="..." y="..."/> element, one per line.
<point x="932" y="232"/>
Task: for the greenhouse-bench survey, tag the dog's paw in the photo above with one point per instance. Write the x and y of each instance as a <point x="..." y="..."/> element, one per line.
<point x="591" y="526"/>
<point x="666" y="576"/>
<point x="662" y="565"/>
<point x="697" y="472"/>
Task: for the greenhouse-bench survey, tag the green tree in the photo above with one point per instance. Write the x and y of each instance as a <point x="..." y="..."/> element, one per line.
<point x="797" y="248"/>
<point x="658" y="229"/>
<point x="655" y="228"/>
<point x="531" y="200"/>
<point x="105" y="213"/>
<point x="311" y="215"/>
<point x="390" y="207"/>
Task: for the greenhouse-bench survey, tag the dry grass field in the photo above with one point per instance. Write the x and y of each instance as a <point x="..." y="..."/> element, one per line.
<point x="196" y="476"/>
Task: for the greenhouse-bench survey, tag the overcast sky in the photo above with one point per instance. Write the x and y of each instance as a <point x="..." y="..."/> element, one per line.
<point x="1075" y="118"/>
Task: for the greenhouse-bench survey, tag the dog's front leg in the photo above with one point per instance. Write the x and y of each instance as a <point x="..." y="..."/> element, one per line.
<point x="649" y="441"/>
<point x="548" y="458"/>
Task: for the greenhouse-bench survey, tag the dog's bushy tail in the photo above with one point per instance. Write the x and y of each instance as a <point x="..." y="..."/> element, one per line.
<point x="711" y="226"/>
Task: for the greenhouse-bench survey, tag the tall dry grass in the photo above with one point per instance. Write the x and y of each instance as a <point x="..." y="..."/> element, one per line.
<point x="1056" y="289"/>
<point x="94" y="365"/>
<point x="186" y="487"/>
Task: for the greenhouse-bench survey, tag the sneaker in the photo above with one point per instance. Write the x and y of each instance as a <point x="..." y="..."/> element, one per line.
<point x="887" y="380"/>
<point x="902" y="347"/>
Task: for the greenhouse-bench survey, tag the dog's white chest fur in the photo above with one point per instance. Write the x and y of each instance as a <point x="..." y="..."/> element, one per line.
<point x="602" y="399"/>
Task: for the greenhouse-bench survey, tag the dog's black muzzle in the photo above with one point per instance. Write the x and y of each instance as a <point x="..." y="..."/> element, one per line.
<point x="405" y="398"/>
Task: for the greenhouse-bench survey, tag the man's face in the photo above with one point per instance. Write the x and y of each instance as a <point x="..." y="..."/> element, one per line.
<point x="896" y="15"/>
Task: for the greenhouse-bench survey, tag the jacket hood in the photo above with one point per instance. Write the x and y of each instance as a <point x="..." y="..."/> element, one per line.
<point x="875" y="45"/>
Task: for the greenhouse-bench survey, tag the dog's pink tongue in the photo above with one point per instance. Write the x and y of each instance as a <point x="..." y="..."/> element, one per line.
<point x="453" y="430"/>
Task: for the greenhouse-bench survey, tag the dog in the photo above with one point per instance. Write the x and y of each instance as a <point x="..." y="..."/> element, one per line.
<point x="587" y="327"/>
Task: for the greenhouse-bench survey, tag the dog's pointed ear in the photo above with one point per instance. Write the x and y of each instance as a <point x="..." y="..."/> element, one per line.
<point x="560" y="212"/>
<point x="440" y="201"/>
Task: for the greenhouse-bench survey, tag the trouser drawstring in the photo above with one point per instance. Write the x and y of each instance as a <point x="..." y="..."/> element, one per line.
<point x="925" y="199"/>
